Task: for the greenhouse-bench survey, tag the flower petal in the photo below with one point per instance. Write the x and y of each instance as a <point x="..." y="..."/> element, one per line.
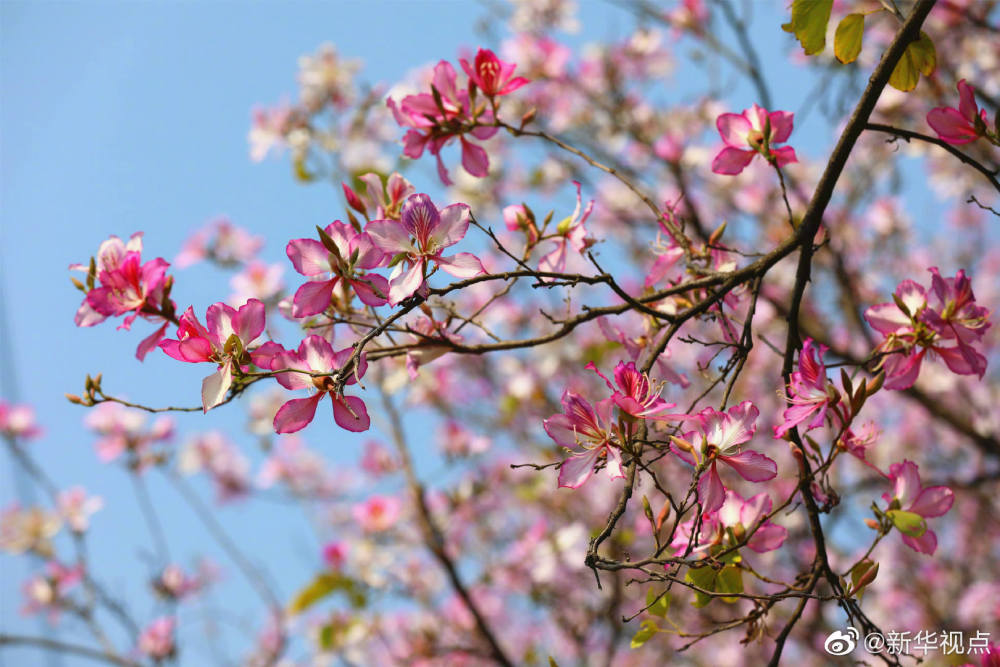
<point x="351" y="414"/>
<point x="578" y="468"/>
<point x="296" y="414"/>
<point x="752" y="466"/>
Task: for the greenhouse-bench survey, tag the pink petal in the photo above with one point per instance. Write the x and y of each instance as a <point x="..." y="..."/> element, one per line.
<point x="404" y="285"/>
<point x="561" y="429"/>
<point x="313" y="297"/>
<point x="150" y="342"/>
<point x="933" y="501"/>
<point x="734" y="129"/>
<point x="86" y="316"/>
<point x="296" y="414"/>
<point x="731" y="161"/>
<point x="951" y="126"/>
<point x="513" y="85"/>
<point x="887" y="318"/>
<point x="967" y="101"/>
<point x="219" y="320"/>
<point x="309" y="256"/>
<point x="784" y="155"/>
<point x="781" y="126"/>
<point x="711" y="492"/>
<point x="318" y="354"/>
<point x="372" y="289"/>
<point x="249" y="321"/>
<point x="925" y="544"/>
<point x="614" y="463"/>
<point x="462" y="265"/>
<point x="474" y="159"/>
<point x="351" y="414"/>
<point x="768" y="537"/>
<point x="216" y="385"/>
<point x="578" y="468"/>
<point x="389" y="236"/>
<point x="902" y="370"/>
<point x="452" y="225"/>
<point x="752" y="466"/>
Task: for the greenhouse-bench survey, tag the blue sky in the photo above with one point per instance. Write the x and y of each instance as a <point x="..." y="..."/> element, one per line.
<point x="117" y="117"/>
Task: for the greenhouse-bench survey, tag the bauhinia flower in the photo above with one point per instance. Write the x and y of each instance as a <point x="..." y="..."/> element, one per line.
<point x="157" y="639"/>
<point x="569" y="232"/>
<point x="18" y="421"/>
<point x="342" y="253"/>
<point x="491" y="75"/>
<point x="127" y="287"/>
<point x="588" y="432"/>
<point x="419" y="237"/>
<point x="911" y="503"/>
<point x="316" y="356"/>
<point x="634" y="394"/>
<point x="50" y="591"/>
<point x="228" y="341"/>
<point x="809" y="392"/>
<point x="441" y="115"/>
<point x="912" y="326"/>
<point x="75" y="507"/>
<point x="738" y="518"/>
<point x="962" y="125"/>
<point x="720" y="435"/>
<point x="754" y="132"/>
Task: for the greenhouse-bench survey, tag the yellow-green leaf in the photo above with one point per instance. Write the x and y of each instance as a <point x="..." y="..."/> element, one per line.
<point x="908" y="523"/>
<point x="704" y="578"/>
<point x="645" y="633"/>
<point x="657" y="604"/>
<point x="323" y="585"/>
<point x="919" y="58"/>
<point x="847" y="39"/>
<point x="808" y="24"/>
<point x="729" y="580"/>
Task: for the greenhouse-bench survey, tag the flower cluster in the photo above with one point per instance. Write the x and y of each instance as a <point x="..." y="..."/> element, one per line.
<point x="946" y="322"/>
<point x="447" y="112"/>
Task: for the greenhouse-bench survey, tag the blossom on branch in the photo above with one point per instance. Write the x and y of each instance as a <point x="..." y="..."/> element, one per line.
<point x="962" y="125"/>
<point x="754" y="132"/>
<point x="419" y="237"/>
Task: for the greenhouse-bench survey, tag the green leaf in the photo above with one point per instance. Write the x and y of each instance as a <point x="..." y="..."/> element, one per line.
<point x="863" y="574"/>
<point x="552" y="662"/>
<point x="323" y="585"/>
<point x="646" y="631"/>
<point x="919" y="58"/>
<point x="302" y="173"/>
<point x="808" y="24"/>
<point x="729" y="580"/>
<point x="908" y="523"/>
<point x="657" y="604"/>
<point x="702" y="577"/>
<point x="847" y="39"/>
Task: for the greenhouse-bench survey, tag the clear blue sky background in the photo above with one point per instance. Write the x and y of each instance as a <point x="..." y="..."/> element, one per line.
<point x="118" y="117"/>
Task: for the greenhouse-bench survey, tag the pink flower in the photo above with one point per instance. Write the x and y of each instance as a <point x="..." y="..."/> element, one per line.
<point x="380" y="201"/>
<point x="157" y="639"/>
<point x="127" y="287"/>
<point x="910" y="496"/>
<point x="962" y="125"/>
<point x="18" y="421"/>
<point x="334" y="555"/>
<point x="378" y="513"/>
<point x="857" y="444"/>
<point x="587" y="431"/>
<point x="315" y="355"/>
<point x="437" y="119"/>
<point x="721" y="434"/>
<point x="75" y="507"/>
<point x="492" y="75"/>
<point x="257" y="280"/>
<point x="570" y="232"/>
<point x="227" y="341"/>
<point x="50" y="591"/>
<point x="124" y="430"/>
<point x="757" y="129"/>
<point x="215" y="454"/>
<point x="348" y="252"/>
<point x="421" y="235"/>
<point x="174" y="583"/>
<point x="634" y="394"/>
<point x="743" y="516"/>
<point x="809" y="391"/>
<point x="912" y="326"/>
<point x="221" y="241"/>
